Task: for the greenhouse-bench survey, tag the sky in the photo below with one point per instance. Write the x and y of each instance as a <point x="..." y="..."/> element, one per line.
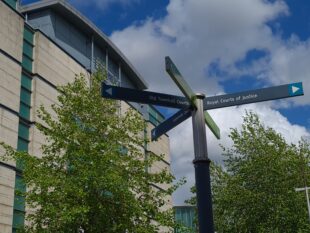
<point x="219" y="46"/>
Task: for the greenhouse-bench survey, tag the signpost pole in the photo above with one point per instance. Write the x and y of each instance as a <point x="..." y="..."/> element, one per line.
<point x="202" y="169"/>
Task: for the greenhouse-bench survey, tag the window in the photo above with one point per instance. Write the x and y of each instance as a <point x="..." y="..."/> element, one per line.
<point x="27" y="63"/>
<point x="28" y="35"/>
<point x="154" y="116"/>
<point x="19" y="203"/>
<point x="26" y="82"/>
<point x="12" y="3"/>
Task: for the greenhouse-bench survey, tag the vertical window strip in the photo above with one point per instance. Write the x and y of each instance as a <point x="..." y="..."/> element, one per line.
<point x="28" y="35"/>
<point x="154" y="116"/>
<point x="27" y="49"/>
<point x="12" y="3"/>
<point x="24" y="111"/>
<point x="27" y="63"/>
<point x="26" y="82"/>
<point x="23" y="129"/>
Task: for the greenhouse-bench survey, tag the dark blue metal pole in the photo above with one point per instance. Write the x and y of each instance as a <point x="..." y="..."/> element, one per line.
<point x="204" y="199"/>
<point x="202" y="170"/>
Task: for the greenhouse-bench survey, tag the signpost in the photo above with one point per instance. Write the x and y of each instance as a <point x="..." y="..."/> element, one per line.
<point x="195" y="105"/>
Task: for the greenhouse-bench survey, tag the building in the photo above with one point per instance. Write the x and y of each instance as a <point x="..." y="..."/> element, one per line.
<point x="42" y="45"/>
<point x="185" y="215"/>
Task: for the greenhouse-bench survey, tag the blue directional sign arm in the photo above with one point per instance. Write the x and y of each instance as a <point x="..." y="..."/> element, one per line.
<point x="253" y="96"/>
<point x="170" y="123"/>
<point x="146" y="97"/>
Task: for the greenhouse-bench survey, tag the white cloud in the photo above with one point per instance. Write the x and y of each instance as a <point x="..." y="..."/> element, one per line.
<point x="290" y="63"/>
<point x="195" y="33"/>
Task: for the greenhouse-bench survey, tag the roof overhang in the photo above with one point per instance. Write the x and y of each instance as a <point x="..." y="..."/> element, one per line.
<point x="76" y="18"/>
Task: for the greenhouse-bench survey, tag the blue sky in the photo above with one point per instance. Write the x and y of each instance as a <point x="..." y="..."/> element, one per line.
<point x="118" y="15"/>
<point x="220" y="46"/>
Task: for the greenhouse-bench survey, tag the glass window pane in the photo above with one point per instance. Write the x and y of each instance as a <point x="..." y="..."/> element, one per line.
<point x="113" y="68"/>
<point x="12" y="3"/>
<point x="18" y="218"/>
<point x="27" y="49"/>
<point x="153" y="120"/>
<point x="27" y="63"/>
<point x="28" y="35"/>
<point x="20" y="164"/>
<point x="24" y="111"/>
<point x="20" y="184"/>
<point x="23" y="131"/>
<point x="152" y="111"/>
<point x="160" y="118"/>
<point x="22" y="145"/>
<point x="26" y="82"/>
<point x="19" y="203"/>
<point x="25" y="96"/>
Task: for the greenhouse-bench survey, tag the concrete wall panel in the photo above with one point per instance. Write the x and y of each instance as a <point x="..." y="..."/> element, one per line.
<point x="160" y="146"/>
<point x="45" y="95"/>
<point x="53" y="64"/>
<point x="11" y="31"/>
<point x="8" y="131"/>
<point x="10" y="73"/>
<point x="37" y="140"/>
<point x="7" y="181"/>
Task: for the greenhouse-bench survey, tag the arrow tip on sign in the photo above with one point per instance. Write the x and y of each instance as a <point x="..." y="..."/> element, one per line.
<point x="296" y="89"/>
<point x="109" y="91"/>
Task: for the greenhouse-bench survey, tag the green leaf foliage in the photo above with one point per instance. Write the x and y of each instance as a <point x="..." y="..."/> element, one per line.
<point x="254" y="192"/>
<point x="93" y="174"/>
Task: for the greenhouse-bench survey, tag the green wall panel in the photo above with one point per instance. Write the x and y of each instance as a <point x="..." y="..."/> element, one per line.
<point x="22" y="145"/>
<point x="24" y="111"/>
<point x="18" y="219"/>
<point x="26" y="82"/>
<point x="28" y="35"/>
<point x="12" y="3"/>
<point x="25" y="96"/>
<point x="27" y="49"/>
<point x="23" y="131"/>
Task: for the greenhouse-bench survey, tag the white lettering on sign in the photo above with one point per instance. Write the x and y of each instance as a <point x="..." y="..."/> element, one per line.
<point x="212" y="102"/>
<point x="166" y="100"/>
<point x="250" y="96"/>
<point x="228" y="100"/>
<point x="153" y="98"/>
<point x="182" y="102"/>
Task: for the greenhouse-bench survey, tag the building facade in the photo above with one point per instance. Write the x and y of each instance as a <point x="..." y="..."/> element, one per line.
<point x="43" y="45"/>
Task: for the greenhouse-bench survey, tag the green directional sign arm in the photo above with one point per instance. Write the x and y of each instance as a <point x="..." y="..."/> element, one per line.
<point x="176" y="76"/>
<point x="212" y="125"/>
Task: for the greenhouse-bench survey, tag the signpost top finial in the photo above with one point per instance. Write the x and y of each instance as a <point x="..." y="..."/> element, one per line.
<point x="200" y="95"/>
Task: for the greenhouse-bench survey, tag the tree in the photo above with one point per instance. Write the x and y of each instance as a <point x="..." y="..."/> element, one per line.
<point x="93" y="172"/>
<point x="255" y="190"/>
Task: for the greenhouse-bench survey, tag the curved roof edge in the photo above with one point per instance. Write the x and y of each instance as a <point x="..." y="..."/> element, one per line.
<point x="73" y="15"/>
